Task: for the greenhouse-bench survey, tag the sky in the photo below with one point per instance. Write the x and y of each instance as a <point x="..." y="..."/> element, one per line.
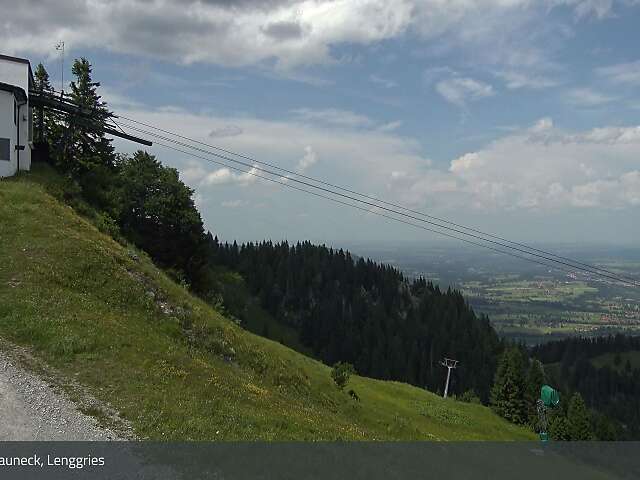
<point x="517" y="117"/>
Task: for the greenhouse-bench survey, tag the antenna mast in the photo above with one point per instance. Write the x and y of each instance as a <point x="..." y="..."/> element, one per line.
<point x="450" y="364"/>
<point x="60" y="48"/>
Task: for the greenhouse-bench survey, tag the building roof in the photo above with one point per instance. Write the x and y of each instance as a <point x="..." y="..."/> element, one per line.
<point x="18" y="92"/>
<point x="19" y="60"/>
<point x="14" y="59"/>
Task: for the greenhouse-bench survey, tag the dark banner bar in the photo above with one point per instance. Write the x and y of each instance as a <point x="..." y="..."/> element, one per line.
<point x="481" y="460"/>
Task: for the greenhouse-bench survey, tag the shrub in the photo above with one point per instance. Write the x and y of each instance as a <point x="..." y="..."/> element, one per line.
<point x="341" y="372"/>
<point x="107" y="225"/>
<point x="470" y="396"/>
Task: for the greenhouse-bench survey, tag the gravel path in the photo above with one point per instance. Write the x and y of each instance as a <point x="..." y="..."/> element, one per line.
<point x="30" y="409"/>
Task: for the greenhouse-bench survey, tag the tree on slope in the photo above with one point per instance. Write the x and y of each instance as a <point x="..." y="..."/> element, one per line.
<point x="157" y="213"/>
<point x="84" y="146"/>
<point x="508" y="392"/>
<point x="579" y="419"/>
<point x="43" y="121"/>
<point x="341" y="372"/>
<point x="559" y="427"/>
<point x="604" y="428"/>
<point x="535" y="380"/>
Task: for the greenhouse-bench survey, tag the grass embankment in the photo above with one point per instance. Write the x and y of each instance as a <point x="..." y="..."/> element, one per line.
<point x="239" y="301"/>
<point x="175" y="368"/>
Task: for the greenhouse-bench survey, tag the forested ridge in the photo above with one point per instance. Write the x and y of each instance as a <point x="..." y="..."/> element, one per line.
<point x="352" y="309"/>
<point x="368" y="314"/>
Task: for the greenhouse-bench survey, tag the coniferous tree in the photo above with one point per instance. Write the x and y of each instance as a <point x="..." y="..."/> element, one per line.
<point x="508" y="392"/>
<point x="43" y="121"/>
<point x="535" y="380"/>
<point x="559" y="427"/>
<point x="84" y="146"/>
<point x="604" y="429"/>
<point x="579" y="419"/>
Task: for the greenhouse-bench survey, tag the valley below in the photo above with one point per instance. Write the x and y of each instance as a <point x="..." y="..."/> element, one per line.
<point x="529" y="302"/>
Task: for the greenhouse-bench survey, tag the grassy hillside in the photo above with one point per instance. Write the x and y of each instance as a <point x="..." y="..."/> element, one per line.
<point x="239" y="303"/>
<point x="103" y="314"/>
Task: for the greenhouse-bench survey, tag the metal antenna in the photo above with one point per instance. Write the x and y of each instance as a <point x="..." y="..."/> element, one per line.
<point x="60" y="48"/>
<point x="449" y="363"/>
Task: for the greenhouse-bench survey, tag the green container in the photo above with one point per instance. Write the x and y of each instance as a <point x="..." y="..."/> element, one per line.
<point x="549" y="396"/>
<point x="544" y="437"/>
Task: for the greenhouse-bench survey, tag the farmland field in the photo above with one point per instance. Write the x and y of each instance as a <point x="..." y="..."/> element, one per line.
<point x="530" y="302"/>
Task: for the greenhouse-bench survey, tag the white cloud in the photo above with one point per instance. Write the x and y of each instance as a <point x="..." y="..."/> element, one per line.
<point x="390" y="127"/>
<point x="192" y="173"/>
<point x="586" y="97"/>
<point x="298" y="76"/>
<point x="383" y="82"/>
<point x="622" y="73"/>
<point x="226" y="176"/>
<point x="542" y="125"/>
<point x="516" y="80"/>
<point x="459" y="90"/>
<point x="630" y="183"/>
<point x="468" y="161"/>
<point x="289" y="32"/>
<point x="596" y="8"/>
<point x="333" y="116"/>
<point x="116" y="99"/>
<point x="222" y="32"/>
<point x="609" y="135"/>
<point x="225" y="131"/>
<point x="232" y="203"/>
<point x="309" y="159"/>
<point x="540" y="168"/>
<point x="362" y="158"/>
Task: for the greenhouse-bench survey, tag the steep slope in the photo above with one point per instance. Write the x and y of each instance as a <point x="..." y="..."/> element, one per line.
<point x="103" y="314"/>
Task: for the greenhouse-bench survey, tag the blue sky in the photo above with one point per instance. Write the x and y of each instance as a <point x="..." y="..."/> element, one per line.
<point x="519" y="117"/>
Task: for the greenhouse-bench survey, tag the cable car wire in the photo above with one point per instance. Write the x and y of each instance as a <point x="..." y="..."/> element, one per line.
<point x="384" y="202"/>
<point x="571" y="264"/>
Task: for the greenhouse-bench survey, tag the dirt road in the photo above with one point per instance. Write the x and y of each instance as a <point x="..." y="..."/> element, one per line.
<point x="30" y="409"/>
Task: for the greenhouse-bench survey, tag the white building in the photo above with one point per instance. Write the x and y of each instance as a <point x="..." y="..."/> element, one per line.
<point x="16" y="126"/>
